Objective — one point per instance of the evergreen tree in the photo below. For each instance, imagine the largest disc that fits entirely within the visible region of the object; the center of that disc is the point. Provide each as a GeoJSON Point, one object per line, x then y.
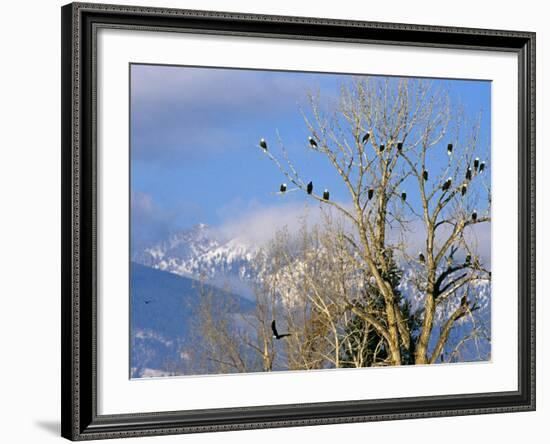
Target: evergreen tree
{"type": "Point", "coordinates": [362, 338]}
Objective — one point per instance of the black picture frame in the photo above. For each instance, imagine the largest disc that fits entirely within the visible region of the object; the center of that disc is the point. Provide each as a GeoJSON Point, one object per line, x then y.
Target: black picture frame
{"type": "Point", "coordinates": [80, 420]}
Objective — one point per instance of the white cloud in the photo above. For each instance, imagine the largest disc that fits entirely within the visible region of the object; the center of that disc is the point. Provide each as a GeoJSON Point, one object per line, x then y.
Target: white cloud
{"type": "Point", "coordinates": [256, 224]}
{"type": "Point", "coordinates": [148, 220]}
{"type": "Point", "coordinates": [204, 88]}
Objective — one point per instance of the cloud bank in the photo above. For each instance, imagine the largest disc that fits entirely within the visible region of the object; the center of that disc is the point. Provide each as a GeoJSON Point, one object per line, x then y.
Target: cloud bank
{"type": "Point", "coordinates": [185, 113]}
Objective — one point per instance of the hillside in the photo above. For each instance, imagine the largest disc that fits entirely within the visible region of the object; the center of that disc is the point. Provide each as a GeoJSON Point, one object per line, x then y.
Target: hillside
{"type": "Point", "coordinates": [161, 309]}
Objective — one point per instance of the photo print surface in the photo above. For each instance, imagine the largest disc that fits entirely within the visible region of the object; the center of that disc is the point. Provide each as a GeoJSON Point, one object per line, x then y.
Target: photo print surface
{"type": "Point", "coordinates": [307, 221]}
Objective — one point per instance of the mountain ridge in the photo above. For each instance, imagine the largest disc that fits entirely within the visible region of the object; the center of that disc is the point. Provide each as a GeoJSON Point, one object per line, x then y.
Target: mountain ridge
{"type": "Point", "coordinates": [199, 252]}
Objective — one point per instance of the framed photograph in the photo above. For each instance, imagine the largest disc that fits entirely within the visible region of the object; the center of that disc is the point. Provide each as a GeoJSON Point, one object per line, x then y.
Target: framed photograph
{"type": "Point", "coordinates": [280, 221]}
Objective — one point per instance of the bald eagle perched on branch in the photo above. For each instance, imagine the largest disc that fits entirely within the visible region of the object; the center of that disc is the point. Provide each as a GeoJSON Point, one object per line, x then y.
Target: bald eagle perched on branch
{"type": "Point", "coordinates": [263, 144]}
{"type": "Point", "coordinates": [425, 174]}
{"type": "Point", "coordinates": [446, 184]}
{"type": "Point", "coordinates": [481, 167]}
{"type": "Point", "coordinates": [450, 149]}
{"type": "Point", "coordinates": [312, 142]}
{"type": "Point", "coordinates": [365, 138]}
{"type": "Point", "coordinates": [399, 146]}
{"type": "Point", "coordinates": [309, 188]}
{"type": "Point", "coordinates": [326, 195]}
{"type": "Point", "coordinates": [421, 257]}
{"type": "Point", "coordinates": [282, 189]}
{"type": "Point", "coordinates": [370, 193]}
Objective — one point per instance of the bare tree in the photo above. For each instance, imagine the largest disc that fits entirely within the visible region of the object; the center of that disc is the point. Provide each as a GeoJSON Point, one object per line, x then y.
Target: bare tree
{"type": "Point", "coordinates": [226, 338]}
{"type": "Point", "coordinates": [230, 340]}
{"type": "Point", "coordinates": [319, 291]}
{"type": "Point", "coordinates": [386, 139]}
{"type": "Point", "coordinates": [408, 158]}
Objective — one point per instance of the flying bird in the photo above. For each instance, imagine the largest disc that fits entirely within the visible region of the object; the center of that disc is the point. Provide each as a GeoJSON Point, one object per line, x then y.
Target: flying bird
{"type": "Point", "coordinates": [421, 257]}
{"type": "Point", "coordinates": [326, 195]}
{"type": "Point", "coordinates": [370, 193]}
{"type": "Point", "coordinates": [446, 184]}
{"type": "Point", "coordinates": [312, 142]}
{"type": "Point", "coordinates": [310, 187]}
{"type": "Point", "coordinates": [469, 174]}
{"type": "Point", "coordinates": [481, 167]}
{"type": "Point", "coordinates": [425, 174]}
{"type": "Point", "coordinates": [276, 334]}
{"type": "Point", "coordinates": [282, 189]}
{"type": "Point", "coordinates": [147, 302]}
{"type": "Point", "coordinates": [464, 189]}
{"type": "Point", "coordinates": [403, 196]}
{"type": "Point", "coordinates": [263, 144]}
{"type": "Point", "coordinates": [450, 149]}
{"type": "Point", "coordinates": [399, 146]}
{"type": "Point", "coordinates": [474, 215]}
{"type": "Point", "coordinates": [365, 138]}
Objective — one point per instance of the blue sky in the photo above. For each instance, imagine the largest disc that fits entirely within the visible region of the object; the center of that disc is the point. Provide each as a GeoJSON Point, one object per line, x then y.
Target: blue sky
{"type": "Point", "coordinates": [194, 142]}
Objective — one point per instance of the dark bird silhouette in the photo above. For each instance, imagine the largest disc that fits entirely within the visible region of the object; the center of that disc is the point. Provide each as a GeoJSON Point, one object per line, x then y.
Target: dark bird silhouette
{"type": "Point", "coordinates": [326, 195]}
{"type": "Point", "coordinates": [464, 189]}
{"type": "Point", "coordinates": [312, 142]}
{"type": "Point", "coordinates": [365, 138]}
{"type": "Point", "coordinates": [450, 149]}
{"type": "Point", "coordinates": [382, 148]}
{"type": "Point", "coordinates": [425, 174]}
{"type": "Point", "coordinates": [421, 257]}
{"type": "Point", "coordinates": [399, 146]}
{"type": "Point", "coordinates": [468, 258]}
{"type": "Point", "coordinates": [474, 215]}
{"type": "Point", "coordinates": [403, 196]}
{"type": "Point", "coordinates": [370, 193]}
{"type": "Point", "coordinates": [263, 144]}
{"type": "Point", "coordinates": [309, 187]}
{"type": "Point", "coordinates": [147, 302]}
{"type": "Point", "coordinates": [476, 163]}
{"type": "Point", "coordinates": [464, 301]}
{"type": "Point", "coordinates": [276, 334]}
{"type": "Point", "coordinates": [481, 167]}
{"type": "Point", "coordinates": [469, 174]}
{"type": "Point", "coordinates": [446, 185]}
{"type": "Point", "coordinates": [283, 188]}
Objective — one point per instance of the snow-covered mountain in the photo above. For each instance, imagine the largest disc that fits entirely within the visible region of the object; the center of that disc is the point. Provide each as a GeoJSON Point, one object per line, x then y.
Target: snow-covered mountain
{"type": "Point", "coordinates": [199, 253]}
